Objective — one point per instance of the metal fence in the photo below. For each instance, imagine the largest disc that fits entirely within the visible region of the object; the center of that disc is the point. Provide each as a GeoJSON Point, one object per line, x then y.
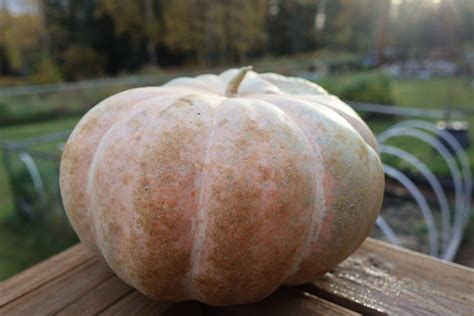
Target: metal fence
{"type": "Point", "coordinates": [444, 239]}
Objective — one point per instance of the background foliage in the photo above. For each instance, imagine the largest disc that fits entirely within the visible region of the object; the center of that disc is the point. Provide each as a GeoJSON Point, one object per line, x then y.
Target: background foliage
{"type": "Point", "coordinates": [51, 40]}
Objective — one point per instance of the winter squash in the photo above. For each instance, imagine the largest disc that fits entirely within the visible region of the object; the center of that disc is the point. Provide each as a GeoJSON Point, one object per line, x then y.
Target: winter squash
{"type": "Point", "coordinates": [221, 188]}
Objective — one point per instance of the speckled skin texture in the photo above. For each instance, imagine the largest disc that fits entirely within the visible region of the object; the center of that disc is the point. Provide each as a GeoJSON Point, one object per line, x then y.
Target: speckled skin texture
{"type": "Point", "coordinates": [189, 194]}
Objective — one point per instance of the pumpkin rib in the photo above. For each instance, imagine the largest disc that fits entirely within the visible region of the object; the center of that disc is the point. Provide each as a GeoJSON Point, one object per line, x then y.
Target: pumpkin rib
{"type": "Point", "coordinates": [335, 245]}
{"type": "Point", "coordinates": [201, 223]}
{"type": "Point", "coordinates": [317, 214]}
{"type": "Point", "coordinates": [135, 108]}
{"type": "Point", "coordinates": [293, 267]}
{"type": "Point", "coordinates": [196, 85]}
{"type": "Point", "coordinates": [249, 244]}
{"type": "Point", "coordinates": [159, 217]}
{"type": "Point", "coordinates": [290, 106]}
{"type": "Point", "coordinates": [348, 114]}
{"type": "Point", "coordinates": [85, 129]}
{"type": "Point", "coordinates": [293, 86]}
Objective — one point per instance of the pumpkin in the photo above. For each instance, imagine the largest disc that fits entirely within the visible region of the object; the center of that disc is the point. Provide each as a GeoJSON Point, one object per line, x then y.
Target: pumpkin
{"type": "Point", "coordinates": [221, 188]}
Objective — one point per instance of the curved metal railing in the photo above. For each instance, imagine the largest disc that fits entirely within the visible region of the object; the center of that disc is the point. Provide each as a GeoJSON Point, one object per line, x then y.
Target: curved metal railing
{"type": "Point", "coordinates": [453, 218]}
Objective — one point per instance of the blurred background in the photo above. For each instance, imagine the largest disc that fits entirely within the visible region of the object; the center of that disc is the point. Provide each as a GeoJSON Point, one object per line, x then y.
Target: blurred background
{"type": "Point", "coordinates": [394, 61]}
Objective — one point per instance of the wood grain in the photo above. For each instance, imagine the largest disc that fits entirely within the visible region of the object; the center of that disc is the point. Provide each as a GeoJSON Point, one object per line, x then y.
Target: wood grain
{"type": "Point", "coordinates": [377, 279]}
{"type": "Point", "coordinates": [62, 291]}
{"type": "Point", "coordinates": [380, 277]}
{"type": "Point", "coordinates": [138, 304]}
{"type": "Point", "coordinates": [43, 272]}
{"type": "Point", "coordinates": [286, 301]}
{"type": "Point", "coordinates": [98, 298]}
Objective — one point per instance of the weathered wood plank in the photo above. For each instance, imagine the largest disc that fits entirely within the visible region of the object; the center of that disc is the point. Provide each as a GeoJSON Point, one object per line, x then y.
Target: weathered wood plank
{"type": "Point", "coordinates": [98, 298]}
{"type": "Point", "coordinates": [286, 301]}
{"type": "Point", "coordinates": [378, 278]}
{"type": "Point", "coordinates": [60, 292]}
{"type": "Point", "coordinates": [43, 273]}
{"type": "Point", "coordinates": [389, 279]}
{"type": "Point", "coordinates": [90, 287]}
{"type": "Point", "coordinates": [136, 303]}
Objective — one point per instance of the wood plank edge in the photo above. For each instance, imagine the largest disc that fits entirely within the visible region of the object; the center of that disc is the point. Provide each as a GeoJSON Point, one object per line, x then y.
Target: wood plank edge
{"type": "Point", "coordinates": [118, 299]}
{"type": "Point", "coordinates": [79, 297]}
{"type": "Point", "coordinates": [51, 289]}
{"type": "Point", "coordinates": [371, 242]}
{"type": "Point", "coordinates": [328, 303]}
{"type": "Point", "coordinates": [12, 298]}
{"type": "Point", "coordinates": [340, 301]}
{"type": "Point", "coordinates": [30, 279]}
{"type": "Point", "coordinates": [56, 259]}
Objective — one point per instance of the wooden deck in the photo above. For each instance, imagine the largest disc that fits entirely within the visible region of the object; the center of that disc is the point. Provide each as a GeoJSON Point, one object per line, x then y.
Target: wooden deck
{"type": "Point", "coordinates": [378, 279]}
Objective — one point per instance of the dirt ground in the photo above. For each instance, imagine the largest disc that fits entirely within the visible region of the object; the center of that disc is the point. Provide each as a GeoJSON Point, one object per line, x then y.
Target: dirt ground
{"type": "Point", "coordinates": [405, 218]}
{"type": "Point", "coordinates": [465, 254]}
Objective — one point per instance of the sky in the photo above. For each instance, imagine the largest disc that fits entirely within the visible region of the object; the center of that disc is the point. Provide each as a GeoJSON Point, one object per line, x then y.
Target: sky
{"type": "Point", "coordinates": [19, 6]}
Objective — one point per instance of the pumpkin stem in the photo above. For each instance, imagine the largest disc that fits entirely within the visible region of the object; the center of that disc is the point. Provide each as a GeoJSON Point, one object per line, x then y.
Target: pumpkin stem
{"type": "Point", "coordinates": [233, 87]}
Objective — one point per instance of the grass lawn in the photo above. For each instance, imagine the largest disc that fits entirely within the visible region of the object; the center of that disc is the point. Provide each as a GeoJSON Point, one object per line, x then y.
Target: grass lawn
{"type": "Point", "coordinates": [431, 94]}
{"type": "Point", "coordinates": [20, 132]}
{"type": "Point", "coordinates": [435, 93]}
{"type": "Point", "coordinates": [23, 243]}
{"type": "Point", "coordinates": [446, 93]}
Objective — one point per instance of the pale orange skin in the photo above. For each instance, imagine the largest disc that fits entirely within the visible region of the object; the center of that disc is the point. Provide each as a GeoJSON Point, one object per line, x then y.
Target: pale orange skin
{"type": "Point", "coordinates": [189, 194]}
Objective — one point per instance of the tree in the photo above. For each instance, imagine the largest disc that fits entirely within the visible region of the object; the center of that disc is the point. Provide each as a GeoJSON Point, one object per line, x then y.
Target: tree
{"type": "Point", "coordinates": [224, 31]}
{"type": "Point", "coordinates": [20, 39]}
{"type": "Point", "coordinates": [351, 25]}
{"type": "Point", "coordinates": [290, 25]}
{"type": "Point", "coordinates": [382, 30]}
{"type": "Point", "coordinates": [137, 20]}
{"type": "Point", "coordinates": [420, 27]}
{"type": "Point", "coordinates": [79, 39]}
